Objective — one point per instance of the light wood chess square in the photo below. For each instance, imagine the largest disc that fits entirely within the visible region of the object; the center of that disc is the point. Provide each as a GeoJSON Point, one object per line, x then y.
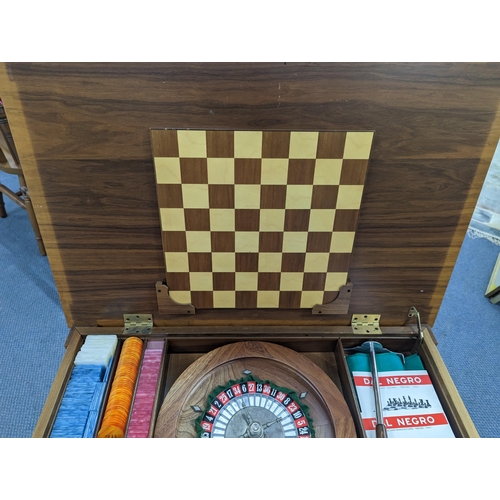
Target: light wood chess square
{"type": "Point", "coordinates": [246, 281]}
{"type": "Point", "coordinates": [246, 196]}
{"type": "Point", "coordinates": [316, 262]}
{"type": "Point", "coordinates": [358, 145]}
{"type": "Point", "coordinates": [223, 262]}
{"type": "Point", "coordinates": [192, 143]}
{"type": "Point", "coordinates": [349, 197]}
{"type": "Point", "coordinates": [274, 171]}
{"type": "Point", "coordinates": [321, 220]}
{"type": "Point", "coordinates": [342, 242]}
{"type": "Point", "coordinates": [298, 196]}
{"type": "Point", "coordinates": [335, 280]}
{"type": "Point", "coordinates": [295, 242]}
{"type": "Point", "coordinates": [172, 219]}
{"type": "Point", "coordinates": [291, 281]}
{"type": "Point", "coordinates": [195, 195]}
{"type": "Point", "coordinates": [268, 298]}
{"type": "Point", "coordinates": [168, 170]}
{"type": "Point", "coordinates": [177, 261]}
{"type": "Point", "coordinates": [224, 299]}
{"type": "Point", "coordinates": [310, 299]}
{"type": "Point", "coordinates": [272, 220]}
{"type": "Point", "coordinates": [270, 262]}
{"type": "Point", "coordinates": [198, 241]}
{"type": "Point", "coordinates": [220, 170]}
{"type": "Point", "coordinates": [247, 241]}
{"type": "Point", "coordinates": [180, 296]}
{"type": "Point", "coordinates": [222, 219]}
{"type": "Point", "coordinates": [303, 144]}
{"type": "Point", "coordinates": [327, 172]}
{"type": "Point", "coordinates": [201, 282]}
{"type": "Point", "coordinates": [248, 144]}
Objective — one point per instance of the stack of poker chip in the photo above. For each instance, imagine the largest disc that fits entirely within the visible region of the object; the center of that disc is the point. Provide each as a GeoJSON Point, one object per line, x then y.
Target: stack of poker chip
{"type": "Point", "coordinates": [116, 415]}
{"type": "Point", "coordinates": [82, 400]}
{"type": "Point", "coordinates": [97, 350]}
{"type": "Point", "coordinates": [96, 404]}
{"type": "Point", "coordinates": [142, 409]}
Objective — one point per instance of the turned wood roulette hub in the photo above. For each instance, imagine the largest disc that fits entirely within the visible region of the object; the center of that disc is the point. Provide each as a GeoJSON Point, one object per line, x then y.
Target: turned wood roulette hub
{"type": "Point", "coordinates": [254, 389]}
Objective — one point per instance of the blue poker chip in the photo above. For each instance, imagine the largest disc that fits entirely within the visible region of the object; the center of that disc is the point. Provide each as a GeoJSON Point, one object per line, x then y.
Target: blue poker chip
{"type": "Point", "coordinates": [84, 395]}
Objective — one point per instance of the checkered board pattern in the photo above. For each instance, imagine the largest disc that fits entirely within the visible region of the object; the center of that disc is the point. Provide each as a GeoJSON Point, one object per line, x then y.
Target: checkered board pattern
{"type": "Point", "coordinates": [258, 219]}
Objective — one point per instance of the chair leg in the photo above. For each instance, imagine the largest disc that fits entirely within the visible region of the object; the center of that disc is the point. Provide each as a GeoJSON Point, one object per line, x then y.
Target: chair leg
{"type": "Point", "coordinates": [3, 213]}
{"type": "Point", "coordinates": [23, 200]}
{"type": "Point", "coordinates": [31, 214]}
{"type": "Point", "coordinates": [34, 224]}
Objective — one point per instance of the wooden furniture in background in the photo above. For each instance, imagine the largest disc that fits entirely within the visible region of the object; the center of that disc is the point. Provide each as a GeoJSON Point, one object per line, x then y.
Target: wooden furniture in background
{"type": "Point", "coordinates": [9, 163]}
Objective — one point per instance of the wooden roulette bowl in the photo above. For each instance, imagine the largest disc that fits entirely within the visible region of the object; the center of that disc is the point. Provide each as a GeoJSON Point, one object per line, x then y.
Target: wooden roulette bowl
{"type": "Point", "coordinates": [281, 368]}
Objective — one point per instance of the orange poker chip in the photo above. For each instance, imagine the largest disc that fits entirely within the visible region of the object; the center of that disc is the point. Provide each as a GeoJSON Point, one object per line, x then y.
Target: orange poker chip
{"type": "Point", "coordinates": [117, 422]}
{"type": "Point", "coordinates": [125, 375]}
{"type": "Point", "coordinates": [117, 414]}
{"type": "Point", "coordinates": [126, 371]}
{"type": "Point", "coordinates": [125, 387]}
{"type": "Point", "coordinates": [117, 405]}
{"type": "Point", "coordinates": [127, 368]}
{"type": "Point", "coordinates": [111, 431]}
{"type": "Point", "coordinates": [133, 346]}
{"type": "Point", "coordinates": [129, 360]}
{"type": "Point", "coordinates": [116, 417]}
{"type": "Point", "coordinates": [132, 350]}
{"type": "Point", "coordinates": [125, 382]}
{"type": "Point", "coordinates": [119, 399]}
{"type": "Point", "coordinates": [127, 365]}
{"type": "Point", "coordinates": [121, 396]}
{"type": "Point", "coordinates": [118, 402]}
{"type": "Point", "coordinates": [122, 390]}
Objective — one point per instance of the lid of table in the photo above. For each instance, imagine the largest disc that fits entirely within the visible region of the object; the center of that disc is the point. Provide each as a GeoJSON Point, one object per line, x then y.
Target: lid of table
{"type": "Point", "coordinates": [83, 136]}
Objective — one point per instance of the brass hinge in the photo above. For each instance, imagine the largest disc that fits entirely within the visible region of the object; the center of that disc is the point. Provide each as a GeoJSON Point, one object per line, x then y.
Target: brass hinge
{"type": "Point", "coordinates": [137, 324]}
{"type": "Point", "coordinates": [366, 324]}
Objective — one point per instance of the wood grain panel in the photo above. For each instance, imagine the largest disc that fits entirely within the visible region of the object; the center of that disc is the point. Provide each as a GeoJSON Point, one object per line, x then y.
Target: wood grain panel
{"type": "Point", "coordinates": [82, 133]}
{"type": "Point", "coordinates": [117, 100]}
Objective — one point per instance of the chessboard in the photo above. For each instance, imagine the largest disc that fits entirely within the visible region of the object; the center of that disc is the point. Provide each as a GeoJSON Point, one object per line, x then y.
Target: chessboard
{"type": "Point", "coordinates": [258, 219]}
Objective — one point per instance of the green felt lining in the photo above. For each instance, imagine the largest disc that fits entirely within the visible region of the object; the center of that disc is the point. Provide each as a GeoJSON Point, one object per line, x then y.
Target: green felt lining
{"type": "Point", "coordinates": [386, 362]}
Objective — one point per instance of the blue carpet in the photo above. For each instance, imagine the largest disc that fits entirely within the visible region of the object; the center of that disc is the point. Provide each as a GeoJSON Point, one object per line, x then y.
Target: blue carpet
{"type": "Point", "coordinates": [467, 329]}
{"type": "Point", "coordinates": [33, 328]}
{"type": "Point", "coordinates": [32, 325]}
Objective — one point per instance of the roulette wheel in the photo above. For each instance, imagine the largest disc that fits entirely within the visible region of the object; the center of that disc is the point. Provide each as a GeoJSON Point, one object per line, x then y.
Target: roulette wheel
{"type": "Point", "coordinates": [254, 390]}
